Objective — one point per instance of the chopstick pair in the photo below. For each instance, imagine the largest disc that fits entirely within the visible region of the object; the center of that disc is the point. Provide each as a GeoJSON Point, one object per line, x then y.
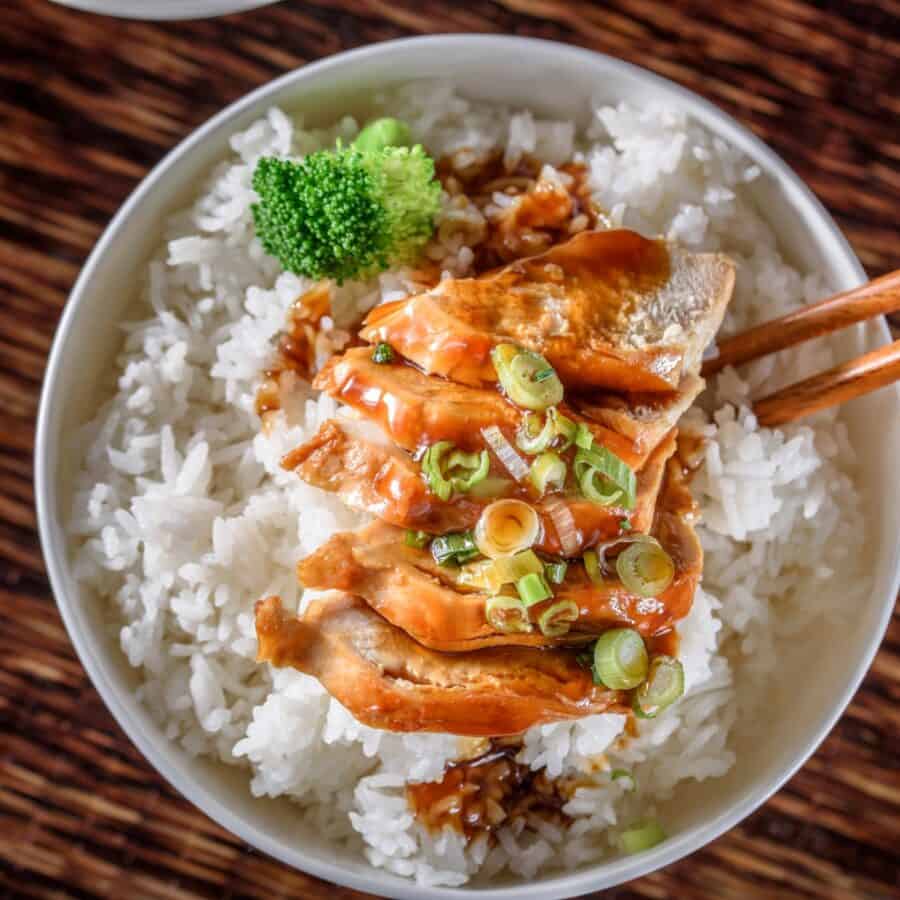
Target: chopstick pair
{"type": "Point", "coordinates": [844, 382]}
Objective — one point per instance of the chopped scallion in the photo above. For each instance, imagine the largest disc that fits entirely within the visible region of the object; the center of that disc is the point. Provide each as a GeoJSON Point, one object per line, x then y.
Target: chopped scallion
{"type": "Point", "coordinates": [663, 686]}
{"type": "Point", "coordinates": [507, 615]}
{"type": "Point", "coordinates": [478, 575]}
{"type": "Point", "coordinates": [382, 353]}
{"type": "Point", "coordinates": [506, 453]}
{"type": "Point", "coordinates": [628, 777]}
{"type": "Point", "coordinates": [620, 659]}
{"type": "Point", "coordinates": [526, 377]}
{"type": "Point", "coordinates": [533, 589]}
{"type": "Point", "coordinates": [604, 478]}
{"type": "Point", "coordinates": [507, 527]}
{"type": "Point", "coordinates": [557, 619]}
{"type": "Point", "coordinates": [454, 548]}
{"type": "Point", "coordinates": [509, 569]}
{"type": "Point", "coordinates": [645, 568]}
{"type": "Point", "coordinates": [565, 430]}
{"type": "Point", "coordinates": [533, 435]}
{"type": "Point", "coordinates": [603, 550]}
{"type": "Point", "coordinates": [592, 567]}
{"type": "Point", "coordinates": [431, 469]}
{"type": "Point", "coordinates": [447, 469]}
{"type": "Point", "coordinates": [548, 472]}
{"type": "Point", "coordinates": [465, 470]}
{"type": "Point", "coordinates": [417, 539]}
{"type": "Point", "coordinates": [555, 572]}
{"type": "Point", "coordinates": [493, 574]}
{"type": "Point", "coordinates": [583, 436]}
{"type": "Point", "coordinates": [642, 837]}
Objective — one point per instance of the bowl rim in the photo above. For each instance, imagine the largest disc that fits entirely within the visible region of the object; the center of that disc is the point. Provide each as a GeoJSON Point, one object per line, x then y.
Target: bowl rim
{"type": "Point", "coordinates": [605, 873]}
{"type": "Point", "coordinates": [164, 10]}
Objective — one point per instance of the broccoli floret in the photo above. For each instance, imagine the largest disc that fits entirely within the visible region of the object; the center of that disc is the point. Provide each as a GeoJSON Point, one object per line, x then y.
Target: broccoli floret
{"type": "Point", "coordinates": [383, 133]}
{"type": "Point", "coordinates": [348, 212]}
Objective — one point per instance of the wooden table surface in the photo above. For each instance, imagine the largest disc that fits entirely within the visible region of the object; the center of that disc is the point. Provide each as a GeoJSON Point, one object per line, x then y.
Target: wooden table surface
{"type": "Point", "coordinates": [88, 104]}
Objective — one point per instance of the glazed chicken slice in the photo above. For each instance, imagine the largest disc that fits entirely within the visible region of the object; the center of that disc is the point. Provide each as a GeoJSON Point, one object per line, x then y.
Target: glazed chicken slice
{"type": "Point", "coordinates": [355, 461]}
{"type": "Point", "coordinates": [387, 680]}
{"type": "Point", "coordinates": [415, 409]}
{"type": "Point", "coordinates": [406, 586]}
{"type": "Point", "coordinates": [608, 309]}
{"type": "Point", "coordinates": [644, 419]}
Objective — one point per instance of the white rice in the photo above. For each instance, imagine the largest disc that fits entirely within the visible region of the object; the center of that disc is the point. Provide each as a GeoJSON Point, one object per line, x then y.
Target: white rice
{"type": "Point", "coordinates": [183, 518]}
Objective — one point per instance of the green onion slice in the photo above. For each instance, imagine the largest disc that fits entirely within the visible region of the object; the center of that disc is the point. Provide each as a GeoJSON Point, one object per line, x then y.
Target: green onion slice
{"type": "Point", "coordinates": [554, 430]}
{"type": "Point", "coordinates": [664, 685]}
{"type": "Point", "coordinates": [493, 574]}
{"type": "Point", "coordinates": [465, 470]}
{"type": "Point", "coordinates": [431, 469]}
{"type": "Point", "coordinates": [548, 472]}
{"type": "Point", "coordinates": [592, 567]}
{"type": "Point", "coordinates": [533, 435]}
{"type": "Point", "coordinates": [507, 527]}
{"type": "Point", "coordinates": [602, 550]}
{"type": "Point", "coordinates": [526, 377]}
{"type": "Point", "coordinates": [507, 615]}
{"type": "Point", "coordinates": [555, 572]}
{"type": "Point", "coordinates": [642, 837]}
{"type": "Point", "coordinates": [509, 569]}
{"type": "Point", "coordinates": [557, 619]}
{"type": "Point", "coordinates": [533, 589]}
{"type": "Point", "coordinates": [447, 469]}
{"type": "Point", "coordinates": [618, 774]}
{"type": "Point", "coordinates": [583, 436]}
{"type": "Point", "coordinates": [604, 478]}
{"type": "Point", "coordinates": [478, 575]}
{"type": "Point", "coordinates": [417, 539]}
{"type": "Point", "coordinates": [645, 568]}
{"type": "Point", "coordinates": [454, 548]}
{"type": "Point", "coordinates": [620, 659]}
{"type": "Point", "coordinates": [383, 353]}
{"type": "Point", "coordinates": [565, 430]}
{"type": "Point", "coordinates": [491, 487]}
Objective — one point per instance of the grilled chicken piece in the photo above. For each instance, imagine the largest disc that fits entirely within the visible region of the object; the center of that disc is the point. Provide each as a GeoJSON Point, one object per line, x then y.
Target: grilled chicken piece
{"type": "Point", "coordinates": [407, 587]}
{"type": "Point", "coordinates": [608, 309]}
{"type": "Point", "coordinates": [644, 419]}
{"type": "Point", "coordinates": [371, 474]}
{"type": "Point", "coordinates": [359, 465]}
{"type": "Point", "coordinates": [389, 681]}
{"type": "Point", "coordinates": [416, 409]}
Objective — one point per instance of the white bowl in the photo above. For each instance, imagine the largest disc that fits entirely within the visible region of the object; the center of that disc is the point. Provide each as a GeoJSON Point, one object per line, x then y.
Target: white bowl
{"type": "Point", "coordinates": [551, 78]}
{"type": "Point", "coordinates": [160, 10]}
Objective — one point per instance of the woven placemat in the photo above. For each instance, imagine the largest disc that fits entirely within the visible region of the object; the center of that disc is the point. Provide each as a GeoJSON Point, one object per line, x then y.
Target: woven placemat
{"type": "Point", "coordinates": [88, 104]}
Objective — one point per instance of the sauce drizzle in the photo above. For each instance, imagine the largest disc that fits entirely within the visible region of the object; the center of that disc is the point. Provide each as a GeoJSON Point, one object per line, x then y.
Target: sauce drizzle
{"type": "Point", "coordinates": [481, 795]}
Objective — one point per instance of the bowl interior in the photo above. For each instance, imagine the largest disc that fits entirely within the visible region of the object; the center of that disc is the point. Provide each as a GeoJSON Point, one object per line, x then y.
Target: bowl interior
{"type": "Point", "coordinates": [552, 80]}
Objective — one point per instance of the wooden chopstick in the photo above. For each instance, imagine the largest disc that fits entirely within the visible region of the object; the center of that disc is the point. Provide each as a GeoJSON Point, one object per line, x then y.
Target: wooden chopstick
{"type": "Point", "coordinates": [875, 298]}
{"type": "Point", "coordinates": [844, 382]}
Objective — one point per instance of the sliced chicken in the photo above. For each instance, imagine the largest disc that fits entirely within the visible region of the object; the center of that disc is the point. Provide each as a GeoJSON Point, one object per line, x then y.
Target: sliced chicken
{"type": "Point", "coordinates": [641, 417]}
{"type": "Point", "coordinates": [608, 309]}
{"type": "Point", "coordinates": [387, 680]}
{"type": "Point", "coordinates": [407, 587]}
{"type": "Point", "coordinates": [416, 409]}
{"type": "Point", "coordinates": [370, 474]}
